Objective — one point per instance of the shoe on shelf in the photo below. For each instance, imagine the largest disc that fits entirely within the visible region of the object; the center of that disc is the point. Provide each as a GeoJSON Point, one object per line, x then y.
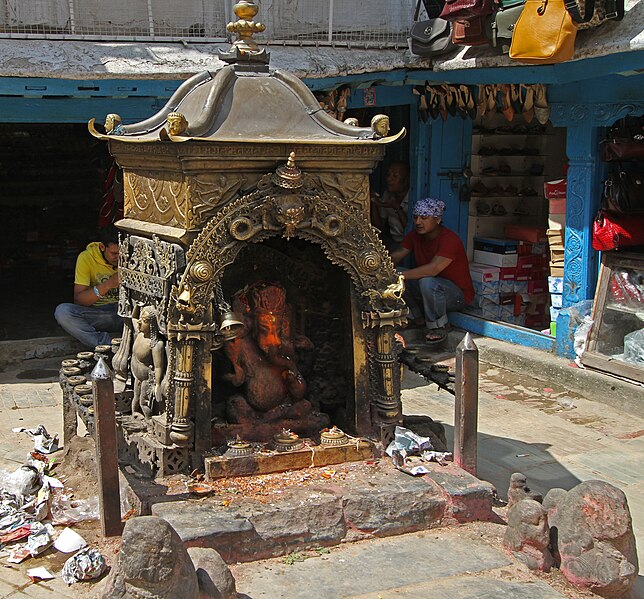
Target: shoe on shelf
{"type": "Point", "coordinates": [489, 170]}
{"type": "Point", "coordinates": [479, 190]}
{"type": "Point", "coordinates": [499, 210]}
{"type": "Point", "coordinates": [483, 208]}
{"type": "Point", "coordinates": [487, 151]}
{"type": "Point", "coordinates": [504, 169]}
{"type": "Point", "coordinates": [536, 169]}
{"type": "Point", "coordinates": [528, 191]}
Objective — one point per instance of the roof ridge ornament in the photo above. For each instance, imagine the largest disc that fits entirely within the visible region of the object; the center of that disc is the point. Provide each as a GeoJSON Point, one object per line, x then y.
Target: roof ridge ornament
{"type": "Point", "coordinates": [244, 49]}
{"type": "Point", "coordinates": [288, 176]}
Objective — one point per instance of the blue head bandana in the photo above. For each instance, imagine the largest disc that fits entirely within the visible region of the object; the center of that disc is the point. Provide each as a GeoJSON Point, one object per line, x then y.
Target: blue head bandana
{"type": "Point", "coordinates": [429, 207]}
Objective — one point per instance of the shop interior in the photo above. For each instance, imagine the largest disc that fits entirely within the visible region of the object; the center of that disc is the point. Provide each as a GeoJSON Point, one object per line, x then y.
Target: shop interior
{"type": "Point", "coordinates": [53, 189]}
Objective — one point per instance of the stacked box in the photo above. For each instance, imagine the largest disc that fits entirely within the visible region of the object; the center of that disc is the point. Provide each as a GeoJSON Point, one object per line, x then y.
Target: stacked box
{"type": "Point", "coordinates": [557, 252]}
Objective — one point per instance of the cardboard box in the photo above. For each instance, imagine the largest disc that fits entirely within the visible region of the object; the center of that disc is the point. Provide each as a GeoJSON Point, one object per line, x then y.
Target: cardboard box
{"type": "Point", "coordinates": [485, 301]}
{"type": "Point", "coordinates": [555, 284]}
{"type": "Point", "coordinates": [486, 287]}
{"type": "Point", "coordinates": [496, 245]}
{"type": "Point", "coordinates": [554, 313]}
{"type": "Point", "coordinates": [506, 286]}
{"type": "Point", "coordinates": [484, 272]}
{"type": "Point", "coordinates": [556, 299]}
{"type": "Point", "coordinates": [538, 286]}
{"type": "Point", "coordinates": [556, 221]}
{"type": "Point", "coordinates": [530, 261]}
{"type": "Point", "coordinates": [557, 206]}
{"type": "Point", "coordinates": [521, 286]}
{"type": "Point", "coordinates": [525, 233]}
{"type": "Point", "coordinates": [494, 259]}
{"type": "Point", "coordinates": [506, 313]}
{"type": "Point", "coordinates": [554, 189]}
{"type": "Point", "coordinates": [556, 270]}
{"type": "Point", "coordinates": [490, 311]}
{"type": "Point", "coordinates": [507, 273]}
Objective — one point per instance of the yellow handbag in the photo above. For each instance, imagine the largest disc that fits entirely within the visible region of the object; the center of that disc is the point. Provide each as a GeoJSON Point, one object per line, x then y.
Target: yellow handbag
{"type": "Point", "coordinates": [544, 34]}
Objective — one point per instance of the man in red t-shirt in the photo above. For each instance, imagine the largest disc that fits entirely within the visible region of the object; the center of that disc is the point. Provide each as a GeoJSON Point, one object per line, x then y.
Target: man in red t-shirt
{"type": "Point", "coordinates": [441, 278]}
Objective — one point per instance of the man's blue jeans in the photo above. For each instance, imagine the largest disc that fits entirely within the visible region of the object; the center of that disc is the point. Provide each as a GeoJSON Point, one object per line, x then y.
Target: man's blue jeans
{"type": "Point", "coordinates": [433, 297]}
{"type": "Point", "coordinates": [91, 325]}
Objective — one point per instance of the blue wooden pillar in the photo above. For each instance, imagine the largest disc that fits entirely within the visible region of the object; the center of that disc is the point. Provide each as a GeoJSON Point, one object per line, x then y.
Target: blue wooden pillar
{"type": "Point", "coordinates": [584, 189]}
{"type": "Point", "coordinates": [419, 145]}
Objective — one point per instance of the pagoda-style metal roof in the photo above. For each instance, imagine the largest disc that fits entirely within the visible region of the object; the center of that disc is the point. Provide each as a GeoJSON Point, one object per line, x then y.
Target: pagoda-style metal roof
{"type": "Point", "coordinates": [242, 104]}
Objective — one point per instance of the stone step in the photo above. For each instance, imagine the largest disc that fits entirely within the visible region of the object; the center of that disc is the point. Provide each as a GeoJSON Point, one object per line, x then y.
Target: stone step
{"type": "Point", "coordinates": [372, 499]}
{"type": "Point", "coordinates": [17, 351]}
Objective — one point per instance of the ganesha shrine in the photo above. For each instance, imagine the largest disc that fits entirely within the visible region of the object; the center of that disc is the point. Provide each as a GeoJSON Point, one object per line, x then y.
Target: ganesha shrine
{"type": "Point", "coordinates": [259, 304]}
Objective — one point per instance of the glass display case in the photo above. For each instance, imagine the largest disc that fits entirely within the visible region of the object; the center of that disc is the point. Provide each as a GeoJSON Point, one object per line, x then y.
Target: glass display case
{"type": "Point", "coordinates": [616, 340]}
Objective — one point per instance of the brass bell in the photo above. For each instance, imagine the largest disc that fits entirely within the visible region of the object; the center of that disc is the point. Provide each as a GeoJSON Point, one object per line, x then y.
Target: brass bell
{"type": "Point", "coordinates": [230, 325]}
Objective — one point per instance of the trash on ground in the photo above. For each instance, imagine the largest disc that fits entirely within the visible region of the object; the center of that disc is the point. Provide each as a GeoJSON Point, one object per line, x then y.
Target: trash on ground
{"type": "Point", "coordinates": [69, 541]}
{"type": "Point", "coordinates": [408, 449]}
{"type": "Point", "coordinates": [22, 532]}
{"type": "Point", "coordinates": [65, 510]}
{"type": "Point", "coordinates": [18, 554]}
{"type": "Point", "coordinates": [566, 403]}
{"type": "Point", "coordinates": [408, 442]}
{"type": "Point", "coordinates": [43, 441]}
{"type": "Point", "coordinates": [442, 457]}
{"type": "Point", "coordinates": [41, 537]}
{"type": "Point", "coordinates": [87, 564]}
{"type": "Point", "coordinates": [25, 481]}
{"type": "Point", "coordinates": [40, 573]}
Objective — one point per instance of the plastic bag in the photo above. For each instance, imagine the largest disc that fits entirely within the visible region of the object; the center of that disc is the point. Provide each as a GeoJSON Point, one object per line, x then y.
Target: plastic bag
{"type": "Point", "coordinates": [65, 510]}
{"type": "Point", "coordinates": [634, 347]}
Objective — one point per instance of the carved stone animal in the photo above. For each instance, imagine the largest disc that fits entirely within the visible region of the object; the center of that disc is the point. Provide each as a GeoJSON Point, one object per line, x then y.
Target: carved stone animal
{"type": "Point", "coordinates": [519, 490]}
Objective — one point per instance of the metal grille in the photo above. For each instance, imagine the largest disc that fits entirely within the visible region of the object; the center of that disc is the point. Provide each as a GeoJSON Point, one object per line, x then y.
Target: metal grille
{"type": "Point", "coordinates": [382, 23]}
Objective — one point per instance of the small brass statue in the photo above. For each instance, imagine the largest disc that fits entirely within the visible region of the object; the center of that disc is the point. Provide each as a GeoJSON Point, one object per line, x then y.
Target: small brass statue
{"type": "Point", "coordinates": [113, 124]}
{"type": "Point", "coordinates": [177, 123]}
{"type": "Point", "coordinates": [380, 126]}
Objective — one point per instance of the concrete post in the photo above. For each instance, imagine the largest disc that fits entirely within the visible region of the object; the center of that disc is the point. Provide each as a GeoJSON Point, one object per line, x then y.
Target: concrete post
{"type": "Point", "coordinates": [466, 407]}
{"type": "Point", "coordinates": [106, 449]}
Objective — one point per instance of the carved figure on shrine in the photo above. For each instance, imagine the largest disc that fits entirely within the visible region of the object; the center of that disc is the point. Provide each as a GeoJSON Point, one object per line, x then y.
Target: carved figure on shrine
{"type": "Point", "coordinates": [148, 363]}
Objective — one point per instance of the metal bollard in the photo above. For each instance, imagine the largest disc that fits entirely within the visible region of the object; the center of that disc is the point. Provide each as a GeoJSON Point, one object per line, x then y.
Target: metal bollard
{"type": "Point", "coordinates": [106, 449]}
{"type": "Point", "coordinates": [467, 404]}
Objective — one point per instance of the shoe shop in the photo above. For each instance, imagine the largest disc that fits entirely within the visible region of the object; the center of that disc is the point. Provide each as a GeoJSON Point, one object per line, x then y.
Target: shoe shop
{"type": "Point", "coordinates": [514, 147]}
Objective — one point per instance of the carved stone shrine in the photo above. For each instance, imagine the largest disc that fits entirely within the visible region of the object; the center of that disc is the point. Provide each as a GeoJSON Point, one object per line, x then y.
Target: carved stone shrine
{"type": "Point", "coordinates": [259, 303]}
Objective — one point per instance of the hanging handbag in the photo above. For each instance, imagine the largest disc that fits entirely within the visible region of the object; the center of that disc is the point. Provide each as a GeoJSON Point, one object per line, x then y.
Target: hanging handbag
{"type": "Point", "coordinates": [500, 25]}
{"type": "Point", "coordinates": [614, 231]}
{"type": "Point", "coordinates": [624, 193]}
{"type": "Point", "coordinates": [546, 30]}
{"type": "Point", "coordinates": [465, 9]}
{"type": "Point", "coordinates": [625, 141]}
{"type": "Point", "coordinates": [604, 10]}
{"type": "Point", "coordinates": [431, 37]}
{"type": "Point", "coordinates": [469, 32]}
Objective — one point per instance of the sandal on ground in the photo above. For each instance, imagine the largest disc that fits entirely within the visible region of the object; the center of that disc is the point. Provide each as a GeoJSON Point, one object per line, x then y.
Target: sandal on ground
{"type": "Point", "coordinates": [436, 336]}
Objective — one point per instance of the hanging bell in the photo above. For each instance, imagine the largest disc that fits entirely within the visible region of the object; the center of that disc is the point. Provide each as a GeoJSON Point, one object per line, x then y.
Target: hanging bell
{"type": "Point", "coordinates": [230, 325]}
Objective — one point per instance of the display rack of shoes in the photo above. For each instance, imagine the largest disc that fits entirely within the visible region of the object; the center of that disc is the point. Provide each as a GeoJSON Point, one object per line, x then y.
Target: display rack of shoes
{"type": "Point", "coordinates": [509, 164]}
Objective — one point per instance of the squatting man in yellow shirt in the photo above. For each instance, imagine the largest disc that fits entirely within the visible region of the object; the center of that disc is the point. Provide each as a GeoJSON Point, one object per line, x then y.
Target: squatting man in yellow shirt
{"type": "Point", "coordinates": [92, 316]}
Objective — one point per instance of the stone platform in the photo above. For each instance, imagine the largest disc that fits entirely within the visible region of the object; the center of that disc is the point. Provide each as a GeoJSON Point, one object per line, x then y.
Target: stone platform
{"type": "Point", "coordinates": [305, 510]}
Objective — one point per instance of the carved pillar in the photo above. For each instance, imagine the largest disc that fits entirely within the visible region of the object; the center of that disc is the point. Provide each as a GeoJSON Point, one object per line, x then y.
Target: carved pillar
{"type": "Point", "coordinates": [181, 431]}
{"type": "Point", "coordinates": [582, 200]}
{"type": "Point", "coordinates": [388, 402]}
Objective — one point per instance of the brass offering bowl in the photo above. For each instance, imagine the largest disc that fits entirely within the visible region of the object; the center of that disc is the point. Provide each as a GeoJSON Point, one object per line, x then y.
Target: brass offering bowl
{"type": "Point", "coordinates": [333, 436]}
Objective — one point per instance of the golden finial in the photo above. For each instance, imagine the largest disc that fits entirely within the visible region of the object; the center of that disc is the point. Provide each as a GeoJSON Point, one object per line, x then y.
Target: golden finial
{"type": "Point", "coordinates": [288, 175]}
{"type": "Point", "coordinates": [245, 46]}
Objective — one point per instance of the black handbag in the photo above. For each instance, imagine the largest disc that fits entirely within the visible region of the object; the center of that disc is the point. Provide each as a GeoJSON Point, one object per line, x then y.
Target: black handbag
{"type": "Point", "coordinates": [431, 37]}
{"type": "Point", "coordinates": [624, 193]}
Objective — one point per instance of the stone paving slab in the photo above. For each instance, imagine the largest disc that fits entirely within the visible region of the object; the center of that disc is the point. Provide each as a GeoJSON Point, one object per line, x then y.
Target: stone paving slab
{"type": "Point", "coordinates": [437, 564]}
{"type": "Point", "coordinates": [388, 503]}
